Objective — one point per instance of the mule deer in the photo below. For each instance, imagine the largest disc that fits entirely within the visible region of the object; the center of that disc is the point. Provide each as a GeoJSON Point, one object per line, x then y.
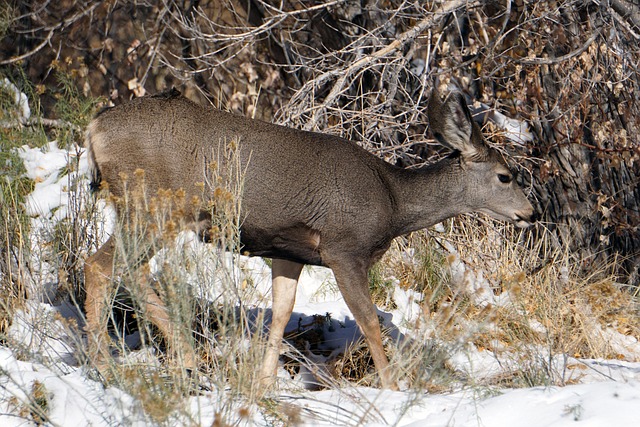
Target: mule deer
{"type": "Point", "coordinates": [308, 198]}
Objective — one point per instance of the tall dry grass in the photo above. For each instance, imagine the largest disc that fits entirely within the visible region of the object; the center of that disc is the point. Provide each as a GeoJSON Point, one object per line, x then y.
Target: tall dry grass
{"type": "Point", "coordinates": [516, 294]}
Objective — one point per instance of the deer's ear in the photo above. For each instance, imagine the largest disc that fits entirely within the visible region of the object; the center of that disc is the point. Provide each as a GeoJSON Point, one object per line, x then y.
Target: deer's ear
{"type": "Point", "coordinates": [452, 126]}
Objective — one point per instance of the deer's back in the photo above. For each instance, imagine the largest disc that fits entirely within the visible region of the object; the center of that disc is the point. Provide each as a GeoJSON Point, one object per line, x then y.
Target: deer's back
{"type": "Point", "coordinates": [301, 189]}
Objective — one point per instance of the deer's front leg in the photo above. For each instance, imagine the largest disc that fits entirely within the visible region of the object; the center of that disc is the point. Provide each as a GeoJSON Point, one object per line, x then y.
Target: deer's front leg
{"type": "Point", "coordinates": [352, 279]}
{"type": "Point", "coordinates": [285, 276]}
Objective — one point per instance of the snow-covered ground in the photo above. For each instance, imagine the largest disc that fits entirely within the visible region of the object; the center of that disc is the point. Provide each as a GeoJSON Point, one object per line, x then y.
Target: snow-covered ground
{"type": "Point", "coordinates": [41, 358]}
{"type": "Point", "coordinates": [76, 400]}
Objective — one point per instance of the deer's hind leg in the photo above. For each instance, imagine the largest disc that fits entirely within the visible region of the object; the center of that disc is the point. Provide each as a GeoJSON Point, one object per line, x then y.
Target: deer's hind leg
{"type": "Point", "coordinates": [157, 312]}
{"type": "Point", "coordinates": [99, 289]}
{"type": "Point", "coordinates": [98, 269]}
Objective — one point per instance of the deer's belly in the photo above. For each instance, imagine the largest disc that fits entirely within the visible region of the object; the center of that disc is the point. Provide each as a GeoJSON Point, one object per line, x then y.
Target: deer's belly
{"type": "Point", "coordinates": [298, 243]}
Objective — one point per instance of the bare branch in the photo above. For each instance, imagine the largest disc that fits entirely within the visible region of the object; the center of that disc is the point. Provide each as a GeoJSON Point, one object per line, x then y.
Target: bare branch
{"type": "Point", "coordinates": [39, 121]}
{"type": "Point", "coordinates": [392, 47]}
{"type": "Point", "coordinates": [33, 51]}
{"type": "Point", "coordinates": [50, 31]}
{"type": "Point", "coordinates": [563, 58]}
{"type": "Point", "coordinates": [627, 10]}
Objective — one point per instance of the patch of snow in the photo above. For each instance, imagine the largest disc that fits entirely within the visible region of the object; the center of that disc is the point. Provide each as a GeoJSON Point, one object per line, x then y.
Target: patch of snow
{"type": "Point", "coordinates": [72, 399]}
{"type": "Point", "coordinates": [19, 98]}
{"type": "Point", "coordinates": [51, 190]}
{"type": "Point", "coordinates": [515, 130]}
{"type": "Point", "coordinates": [408, 303]}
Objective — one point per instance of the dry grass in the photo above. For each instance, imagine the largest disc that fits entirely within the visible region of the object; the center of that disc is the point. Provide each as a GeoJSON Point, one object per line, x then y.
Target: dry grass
{"type": "Point", "coordinates": [35, 407]}
{"type": "Point", "coordinates": [13, 221]}
{"type": "Point", "coordinates": [547, 286]}
{"type": "Point", "coordinates": [514, 293]}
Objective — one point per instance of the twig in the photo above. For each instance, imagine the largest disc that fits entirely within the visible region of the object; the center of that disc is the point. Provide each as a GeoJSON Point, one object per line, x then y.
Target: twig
{"type": "Point", "coordinates": [15, 59]}
{"type": "Point", "coordinates": [51, 30]}
{"type": "Point", "coordinates": [404, 38]}
{"type": "Point", "coordinates": [625, 24]}
{"type": "Point", "coordinates": [559, 59]}
{"type": "Point", "coordinates": [37, 121]}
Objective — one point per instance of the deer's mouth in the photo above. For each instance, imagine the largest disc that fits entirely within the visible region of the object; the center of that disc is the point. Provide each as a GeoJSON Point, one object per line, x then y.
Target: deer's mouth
{"type": "Point", "coordinates": [519, 219]}
{"type": "Point", "coordinates": [523, 221]}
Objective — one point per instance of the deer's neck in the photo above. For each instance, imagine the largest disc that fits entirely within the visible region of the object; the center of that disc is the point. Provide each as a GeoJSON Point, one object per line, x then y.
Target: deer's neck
{"type": "Point", "coordinates": [428, 195]}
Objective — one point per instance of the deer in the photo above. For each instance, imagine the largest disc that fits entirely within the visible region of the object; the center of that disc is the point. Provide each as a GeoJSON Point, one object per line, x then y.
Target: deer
{"type": "Point", "coordinates": [308, 199]}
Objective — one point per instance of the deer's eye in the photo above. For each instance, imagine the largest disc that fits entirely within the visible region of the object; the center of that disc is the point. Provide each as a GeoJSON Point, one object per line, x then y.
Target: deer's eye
{"type": "Point", "coordinates": [504, 178]}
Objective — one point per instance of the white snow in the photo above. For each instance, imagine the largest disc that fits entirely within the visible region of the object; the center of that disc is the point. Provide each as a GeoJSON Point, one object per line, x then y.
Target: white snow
{"type": "Point", "coordinates": [516, 130]}
{"type": "Point", "coordinates": [19, 98]}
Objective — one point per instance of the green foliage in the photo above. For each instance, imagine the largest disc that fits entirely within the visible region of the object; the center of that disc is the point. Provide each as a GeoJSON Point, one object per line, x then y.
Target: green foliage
{"type": "Point", "coordinates": [7, 12]}
{"type": "Point", "coordinates": [380, 286]}
{"type": "Point", "coordinates": [16, 131]}
{"type": "Point", "coordinates": [72, 106]}
{"type": "Point", "coordinates": [432, 275]}
{"type": "Point", "coordinates": [14, 187]}
{"type": "Point", "coordinates": [13, 241]}
{"type": "Point", "coordinates": [13, 133]}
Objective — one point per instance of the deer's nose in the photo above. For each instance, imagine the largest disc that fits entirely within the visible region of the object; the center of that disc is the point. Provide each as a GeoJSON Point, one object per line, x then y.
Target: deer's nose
{"type": "Point", "coordinates": [535, 217]}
